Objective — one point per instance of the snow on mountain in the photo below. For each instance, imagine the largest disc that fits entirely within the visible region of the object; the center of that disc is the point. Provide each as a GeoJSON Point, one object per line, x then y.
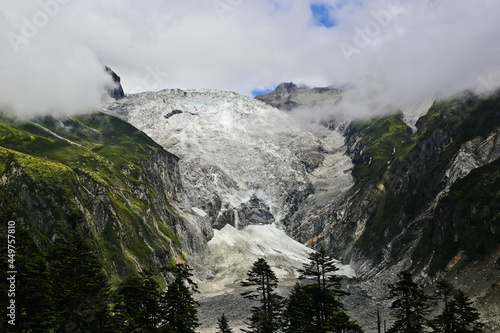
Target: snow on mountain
{"type": "Point", "coordinates": [246, 167]}
{"type": "Point", "coordinates": [233, 148]}
{"type": "Point", "coordinates": [231, 253]}
{"type": "Point", "coordinates": [412, 113]}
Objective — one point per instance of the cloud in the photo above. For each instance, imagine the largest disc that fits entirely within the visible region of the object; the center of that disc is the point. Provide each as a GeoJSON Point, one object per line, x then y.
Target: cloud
{"type": "Point", "coordinates": [419, 49]}
{"type": "Point", "coordinates": [43, 70]}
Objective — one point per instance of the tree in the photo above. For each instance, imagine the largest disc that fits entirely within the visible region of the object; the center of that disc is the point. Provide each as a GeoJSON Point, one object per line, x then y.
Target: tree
{"type": "Point", "coordinates": [137, 303]}
{"type": "Point", "coordinates": [340, 322]}
{"type": "Point", "coordinates": [33, 293]}
{"type": "Point", "coordinates": [298, 311]}
{"type": "Point", "coordinates": [324, 311]}
{"type": "Point", "coordinates": [81, 291]}
{"type": "Point", "coordinates": [223, 324]}
{"type": "Point", "coordinates": [34, 289]}
{"type": "Point", "coordinates": [458, 315]}
{"type": "Point", "coordinates": [410, 305]}
{"type": "Point", "coordinates": [178, 303]}
{"type": "Point", "coordinates": [266, 317]}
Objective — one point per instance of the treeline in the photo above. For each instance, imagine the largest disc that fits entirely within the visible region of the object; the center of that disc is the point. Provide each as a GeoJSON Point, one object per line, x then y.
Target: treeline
{"type": "Point", "coordinates": [67, 290]}
{"type": "Point", "coordinates": [313, 306]}
{"type": "Point", "coordinates": [412, 306]}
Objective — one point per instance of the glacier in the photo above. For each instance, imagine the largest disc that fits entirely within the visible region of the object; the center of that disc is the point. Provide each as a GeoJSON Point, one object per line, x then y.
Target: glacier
{"type": "Point", "coordinates": [248, 171]}
{"type": "Point", "coordinates": [233, 148]}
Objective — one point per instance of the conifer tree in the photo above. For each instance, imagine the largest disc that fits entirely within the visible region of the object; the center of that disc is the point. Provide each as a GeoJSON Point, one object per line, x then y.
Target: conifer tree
{"type": "Point", "coordinates": [178, 303]}
{"type": "Point", "coordinates": [81, 290]}
{"type": "Point", "coordinates": [340, 322]}
{"type": "Point", "coordinates": [34, 289]}
{"type": "Point", "coordinates": [298, 311]}
{"type": "Point", "coordinates": [266, 317]}
{"type": "Point", "coordinates": [410, 305]}
{"type": "Point", "coordinates": [324, 310]}
{"type": "Point", "coordinates": [137, 303]}
{"type": "Point", "coordinates": [223, 324]}
{"type": "Point", "coordinates": [458, 315]}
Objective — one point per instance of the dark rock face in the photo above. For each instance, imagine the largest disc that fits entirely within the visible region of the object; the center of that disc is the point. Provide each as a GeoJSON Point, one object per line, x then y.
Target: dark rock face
{"type": "Point", "coordinates": [312, 103]}
{"type": "Point", "coordinates": [280, 97]}
{"type": "Point", "coordinates": [116, 91]}
{"type": "Point", "coordinates": [173, 113]}
{"type": "Point", "coordinates": [252, 212]}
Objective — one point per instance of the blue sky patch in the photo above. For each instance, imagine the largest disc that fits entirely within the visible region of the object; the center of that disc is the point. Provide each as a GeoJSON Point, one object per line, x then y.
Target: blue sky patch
{"type": "Point", "coordinates": [322, 15]}
{"type": "Point", "coordinates": [257, 92]}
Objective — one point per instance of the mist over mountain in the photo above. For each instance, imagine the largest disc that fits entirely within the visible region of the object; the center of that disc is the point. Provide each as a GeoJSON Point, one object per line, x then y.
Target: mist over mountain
{"type": "Point", "coordinates": [130, 125]}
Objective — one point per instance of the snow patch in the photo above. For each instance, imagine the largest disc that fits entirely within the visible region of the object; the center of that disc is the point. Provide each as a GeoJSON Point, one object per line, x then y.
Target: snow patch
{"type": "Point", "coordinates": [413, 113]}
{"type": "Point", "coordinates": [199, 211]}
{"type": "Point", "coordinates": [231, 253]}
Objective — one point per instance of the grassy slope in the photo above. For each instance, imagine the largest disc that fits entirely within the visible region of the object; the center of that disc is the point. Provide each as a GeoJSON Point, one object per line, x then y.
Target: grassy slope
{"type": "Point", "coordinates": [106, 159]}
{"type": "Point", "coordinates": [388, 145]}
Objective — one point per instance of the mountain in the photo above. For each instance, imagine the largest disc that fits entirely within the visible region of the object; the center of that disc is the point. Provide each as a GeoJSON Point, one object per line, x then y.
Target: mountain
{"type": "Point", "coordinates": [241, 160]}
{"type": "Point", "coordinates": [123, 185]}
{"type": "Point", "coordinates": [411, 190]}
{"type": "Point", "coordinates": [218, 179]}
{"type": "Point", "coordinates": [288, 96]}
{"type": "Point", "coordinates": [425, 198]}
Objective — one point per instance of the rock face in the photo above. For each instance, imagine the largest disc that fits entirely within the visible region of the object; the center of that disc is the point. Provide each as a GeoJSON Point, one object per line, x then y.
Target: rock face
{"type": "Point", "coordinates": [409, 190]}
{"type": "Point", "coordinates": [125, 187]}
{"type": "Point", "coordinates": [242, 162]}
{"type": "Point", "coordinates": [116, 91]}
{"type": "Point", "coordinates": [287, 96]}
{"type": "Point", "coordinates": [425, 198]}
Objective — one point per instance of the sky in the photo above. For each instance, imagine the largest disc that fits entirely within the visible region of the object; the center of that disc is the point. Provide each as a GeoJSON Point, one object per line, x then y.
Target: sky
{"type": "Point", "coordinates": [387, 54]}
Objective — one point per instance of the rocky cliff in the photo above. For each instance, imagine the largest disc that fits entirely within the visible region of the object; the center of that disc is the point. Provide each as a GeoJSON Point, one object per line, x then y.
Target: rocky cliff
{"type": "Point", "coordinates": [125, 186]}
{"type": "Point", "coordinates": [417, 189]}
{"type": "Point", "coordinates": [425, 198]}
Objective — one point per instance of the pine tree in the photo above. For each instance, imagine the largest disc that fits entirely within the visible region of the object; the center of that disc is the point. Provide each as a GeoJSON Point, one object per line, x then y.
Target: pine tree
{"type": "Point", "coordinates": [178, 303]}
{"type": "Point", "coordinates": [340, 322]}
{"type": "Point", "coordinates": [445, 292]}
{"type": "Point", "coordinates": [325, 311]}
{"type": "Point", "coordinates": [34, 288]}
{"type": "Point", "coordinates": [458, 316]}
{"type": "Point", "coordinates": [266, 317]}
{"type": "Point", "coordinates": [410, 305]}
{"type": "Point", "coordinates": [223, 324]}
{"type": "Point", "coordinates": [137, 303]}
{"type": "Point", "coordinates": [298, 311]}
{"type": "Point", "coordinates": [81, 290]}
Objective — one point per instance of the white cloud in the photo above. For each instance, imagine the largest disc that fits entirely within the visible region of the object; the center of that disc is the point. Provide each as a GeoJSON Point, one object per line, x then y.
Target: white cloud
{"type": "Point", "coordinates": [417, 51]}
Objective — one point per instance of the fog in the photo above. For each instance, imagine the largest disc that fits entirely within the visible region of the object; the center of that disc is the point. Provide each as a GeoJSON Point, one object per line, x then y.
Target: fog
{"type": "Point", "coordinates": [389, 53]}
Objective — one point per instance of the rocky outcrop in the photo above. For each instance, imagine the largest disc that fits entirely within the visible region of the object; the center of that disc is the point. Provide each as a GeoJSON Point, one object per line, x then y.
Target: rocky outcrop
{"type": "Point", "coordinates": [242, 162]}
{"type": "Point", "coordinates": [288, 97]}
{"type": "Point", "coordinates": [425, 199]}
{"type": "Point", "coordinates": [124, 186]}
{"type": "Point", "coordinates": [116, 91]}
